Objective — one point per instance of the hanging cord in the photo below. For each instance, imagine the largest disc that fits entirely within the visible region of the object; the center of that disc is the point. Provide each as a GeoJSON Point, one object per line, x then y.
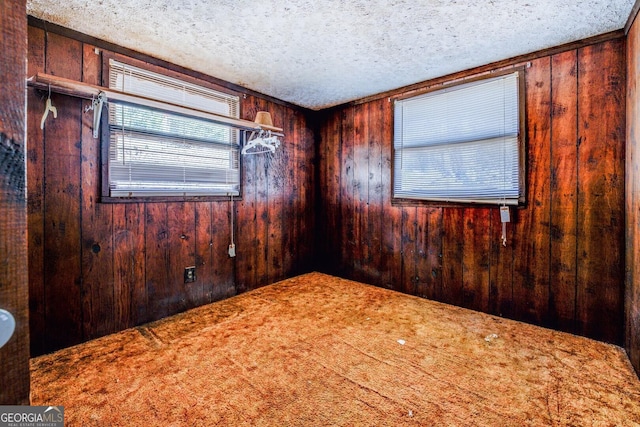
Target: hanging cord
{"type": "Point", "coordinates": [232, 246]}
{"type": "Point", "coordinates": [504, 210]}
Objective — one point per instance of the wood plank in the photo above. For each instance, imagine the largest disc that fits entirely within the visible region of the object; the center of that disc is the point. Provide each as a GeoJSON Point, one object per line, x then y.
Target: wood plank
{"type": "Point", "coordinates": [14, 291]}
{"type": "Point", "coordinates": [391, 256]}
{"type": "Point", "coordinates": [262, 214]}
{"type": "Point", "coordinates": [452, 255]}
{"type": "Point", "coordinates": [158, 261]}
{"type": "Point", "coordinates": [289, 173]}
{"type": "Point", "coordinates": [246, 218]}
{"type": "Point", "coordinates": [632, 209]}
{"type": "Point", "coordinates": [203, 257]}
{"type": "Point", "coordinates": [431, 270]}
{"type": "Point", "coordinates": [306, 191]}
{"type": "Point", "coordinates": [35, 201]}
{"type": "Point", "coordinates": [330, 185]}
{"type": "Point", "coordinates": [422, 268]}
{"type": "Point", "coordinates": [224, 284]}
{"type": "Point", "coordinates": [277, 166]}
{"type": "Point", "coordinates": [531, 230]}
{"type": "Point", "coordinates": [182, 247]}
{"type": "Point", "coordinates": [409, 249]}
{"type": "Point", "coordinates": [374, 201]}
{"type": "Point", "coordinates": [564, 189]}
{"type": "Point", "coordinates": [475, 259]}
{"type": "Point", "coordinates": [98, 314]}
{"type": "Point", "coordinates": [360, 191]}
{"type": "Point", "coordinates": [129, 265]}
{"type": "Point", "coordinates": [324, 212]}
{"type": "Point", "coordinates": [601, 97]}
{"type": "Point", "coordinates": [346, 192]}
{"type": "Point", "coordinates": [62, 246]}
{"type": "Point", "coordinates": [501, 265]}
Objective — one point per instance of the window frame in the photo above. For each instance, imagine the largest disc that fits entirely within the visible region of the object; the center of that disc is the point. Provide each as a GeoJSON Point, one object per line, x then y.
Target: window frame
{"type": "Point", "coordinates": [105, 133]}
{"type": "Point", "coordinates": [522, 139]}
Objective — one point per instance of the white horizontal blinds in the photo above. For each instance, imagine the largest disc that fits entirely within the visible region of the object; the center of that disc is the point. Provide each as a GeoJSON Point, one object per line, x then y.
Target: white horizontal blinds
{"type": "Point", "coordinates": [460, 144]}
{"type": "Point", "coordinates": [154, 152]}
{"type": "Point", "coordinates": [136, 81]}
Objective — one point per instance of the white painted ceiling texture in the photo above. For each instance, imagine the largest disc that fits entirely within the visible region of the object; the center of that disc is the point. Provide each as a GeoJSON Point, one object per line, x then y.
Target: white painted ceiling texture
{"type": "Point", "coordinates": [320, 53]}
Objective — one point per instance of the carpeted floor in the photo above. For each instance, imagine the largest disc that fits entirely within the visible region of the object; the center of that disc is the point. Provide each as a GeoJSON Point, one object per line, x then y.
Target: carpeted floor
{"type": "Point", "coordinates": [321, 351]}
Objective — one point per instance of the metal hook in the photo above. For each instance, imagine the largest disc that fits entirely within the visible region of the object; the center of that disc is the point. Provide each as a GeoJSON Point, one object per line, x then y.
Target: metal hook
{"type": "Point", "coordinates": [48, 107]}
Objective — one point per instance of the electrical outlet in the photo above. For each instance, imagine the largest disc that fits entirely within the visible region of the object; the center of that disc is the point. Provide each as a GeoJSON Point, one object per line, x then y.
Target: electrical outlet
{"type": "Point", "coordinates": [190, 274]}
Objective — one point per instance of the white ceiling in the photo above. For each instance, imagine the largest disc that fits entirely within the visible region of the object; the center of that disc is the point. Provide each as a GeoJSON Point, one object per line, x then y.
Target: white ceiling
{"type": "Point", "coordinates": [320, 53]}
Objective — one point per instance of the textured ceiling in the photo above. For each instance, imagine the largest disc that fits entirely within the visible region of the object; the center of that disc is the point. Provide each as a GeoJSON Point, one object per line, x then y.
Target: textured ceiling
{"type": "Point", "coordinates": [319, 53]}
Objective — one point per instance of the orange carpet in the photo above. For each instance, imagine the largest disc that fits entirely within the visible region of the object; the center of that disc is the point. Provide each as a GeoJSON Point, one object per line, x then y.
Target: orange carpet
{"type": "Point", "coordinates": [316, 350]}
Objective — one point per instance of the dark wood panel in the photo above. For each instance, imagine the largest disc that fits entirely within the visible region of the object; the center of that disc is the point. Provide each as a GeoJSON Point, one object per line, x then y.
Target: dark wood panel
{"type": "Point", "coordinates": [329, 185]}
{"type": "Point", "coordinates": [35, 190]}
{"type": "Point", "coordinates": [632, 209]}
{"type": "Point", "coordinates": [360, 191]}
{"type": "Point", "coordinates": [391, 256]}
{"type": "Point", "coordinates": [62, 222]}
{"type": "Point", "coordinates": [203, 256]}
{"type": "Point", "coordinates": [14, 291]}
{"type": "Point", "coordinates": [181, 219]}
{"type": "Point", "coordinates": [501, 262]}
{"type": "Point", "coordinates": [421, 286]}
{"type": "Point", "coordinates": [534, 277]}
{"type": "Point", "coordinates": [531, 229]}
{"type": "Point", "coordinates": [347, 205]}
{"type": "Point", "coordinates": [601, 98]}
{"type": "Point", "coordinates": [564, 189]}
{"type": "Point", "coordinates": [306, 163]}
{"type": "Point", "coordinates": [453, 242]}
{"type": "Point", "coordinates": [223, 283]}
{"type": "Point", "coordinates": [290, 199]}
{"type": "Point", "coordinates": [261, 237]}
{"type": "Point", "coordinates": [247, 218]}
{"type": "Point", "coordinates": [96, 221]}
{"type": "Point", "coordinates": [374, 200]}
{"type": "Point", "coordinates": [409, 249]}
{"type": "Point", "coordinates": [475, 259]}
{"type": "Point", "coordinates": [130, 258]}
{"type": "Point", "coordinates": [431, 274]}
{"type": "Point", "coordinates": [454, 253]}
{"type": "Point", "coordinates": [157, 260]}
{"type": "Point", "coordinates": [129, 282]}
{"type": "Point", "coordinates": [275, 170]}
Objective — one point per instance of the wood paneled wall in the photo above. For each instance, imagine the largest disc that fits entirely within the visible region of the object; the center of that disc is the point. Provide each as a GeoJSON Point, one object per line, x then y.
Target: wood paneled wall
{"type": "Point", "coordinates": [632, 298]}
{"type": "Point", "coordinates": [97, 268]}
{"type": "Point", "coordinates": [14, 289]}
{"type": "Point", "coordinates": [564, 262]}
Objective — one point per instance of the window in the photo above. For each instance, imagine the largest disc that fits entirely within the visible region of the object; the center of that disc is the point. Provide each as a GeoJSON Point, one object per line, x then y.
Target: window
{"type": "Point", "coordinates": [461, 144]}
{"type": "Point", "coordinates": [153, 152]}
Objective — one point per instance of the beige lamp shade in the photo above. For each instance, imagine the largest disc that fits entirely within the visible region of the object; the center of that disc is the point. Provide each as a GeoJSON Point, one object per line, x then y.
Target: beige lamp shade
{"type": "Point", "coordinates": [263, 118]}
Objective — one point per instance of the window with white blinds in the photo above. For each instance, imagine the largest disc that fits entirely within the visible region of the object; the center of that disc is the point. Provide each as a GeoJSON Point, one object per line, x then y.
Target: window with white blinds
{"type": "Point", "coordinates": [460, 144]}
{"type": "Point", "coordinates": [153, 152]}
